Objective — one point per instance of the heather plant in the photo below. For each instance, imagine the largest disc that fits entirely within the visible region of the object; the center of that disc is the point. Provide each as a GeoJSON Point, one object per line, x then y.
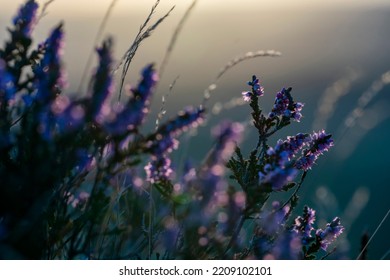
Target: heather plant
{"type": "Point", "coordinates": [81, 180]}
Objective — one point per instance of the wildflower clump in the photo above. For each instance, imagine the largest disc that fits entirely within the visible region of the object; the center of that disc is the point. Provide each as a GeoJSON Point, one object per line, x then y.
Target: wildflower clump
{"type": "Point", "coordinates": [81, 179]}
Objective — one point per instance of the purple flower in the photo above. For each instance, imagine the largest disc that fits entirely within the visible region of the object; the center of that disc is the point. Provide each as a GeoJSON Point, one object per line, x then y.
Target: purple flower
{"type": "Point", "coordinates": [209, 190]}
{"type": "Point", "coordinates": [286, 107]}
{"type": "Point", "coordinates": [70, 117]}
{"type": "Point", "coordinates": [210, 175]}
{"type": "Point", "coordinates": [319, 143]}
{"type": "Point", "coordinates": [305, 162]}
{"type": "Point", "coordinates": [134, 112]}
{"type": "Point", "coordinates": [164, 139]}
{"type": "Point", "coordinates": [25, 20]}
{"type": "Point", "coordinates": [279, 169]}
{"type": "Point", "coordinates": [292, 145]}
{"type": "Point", "coordinates": [257, 90]}
{"type": "Point", "coordinates": [160, 144]}
{"type": "Point", "coordinates": [304, 225]}
{"type": "Point", "coordinates": [49, 76]}
{"type": "Point", "coordinates": [7, 85]}
{"type": "Point", "coordinates": [330, 233]}
{"type": "Point", "coordinates": [227, 135]}
{"type": "Point", "coordinates": [158, 169]}
{"type": "Point", "coordinates": [103, 80]}
{"type": "Point", "coordinates": [272, 221]}
{"type": "Point", "coordinates": [278, 177]}
{"type": "Point", "coordinates": [78, 201]}
{"type": "Point", "coordinates": [287, 246]}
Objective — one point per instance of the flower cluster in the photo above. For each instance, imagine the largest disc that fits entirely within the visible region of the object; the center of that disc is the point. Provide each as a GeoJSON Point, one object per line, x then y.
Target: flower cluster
{"type": "Point", "coordinates": [304, 225]}
{"type": "Point", "coordinates": [129, 117]}
{"type": "Point", "coordinates": [257, 89]}
{"type": "Point", "coordinates": [103, 80]}
{"type": "Point", "coordinates": [319, 143]}
{"type": "Point", "coordinates": [25, 20]}
{"type": "Point", "coordinates": [281, 166]}
{"type": "Point", "coordinates": [161, 144]}
{"type": "Point", "coordinates": [285, 106]}
{"type": "Point", "coordinates": [330, 233]}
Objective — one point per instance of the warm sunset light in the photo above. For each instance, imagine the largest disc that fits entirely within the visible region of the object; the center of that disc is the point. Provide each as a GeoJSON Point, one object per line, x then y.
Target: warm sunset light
{"type": "Point", "coordinates": [194, 130]}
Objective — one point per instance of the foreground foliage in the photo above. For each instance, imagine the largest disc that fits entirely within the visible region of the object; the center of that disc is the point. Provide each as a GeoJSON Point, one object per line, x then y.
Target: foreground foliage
{"type": "Point", "coordinates": [80, 180]}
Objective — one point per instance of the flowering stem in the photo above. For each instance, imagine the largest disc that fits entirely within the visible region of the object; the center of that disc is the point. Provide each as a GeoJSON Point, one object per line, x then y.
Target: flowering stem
{"type": "Point", "coordinates": [150, 241]}
{"type": "Point", "coordinates": [328, 254]}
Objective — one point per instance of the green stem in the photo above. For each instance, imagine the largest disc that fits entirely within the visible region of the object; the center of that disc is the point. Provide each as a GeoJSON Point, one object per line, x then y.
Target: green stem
{"type": "Point", "coordinates": [296, 190]}
{"type": "Point", "coordinates": [235, 234]}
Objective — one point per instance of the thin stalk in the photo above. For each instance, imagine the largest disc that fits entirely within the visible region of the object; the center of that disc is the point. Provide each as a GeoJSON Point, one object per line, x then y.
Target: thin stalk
{"type": "Point", "coordinates": [96, 41]}
{"type": "Point", "coordinates": [175, 36]}
{"type": "Point", "coordinates": [376, 230]}
{"type": "Point", "coordinates": [296, 190]}
{"type": "Point", "coordinates": [235, 234]}
{"type": "Point", "coordinates": [150, 237]}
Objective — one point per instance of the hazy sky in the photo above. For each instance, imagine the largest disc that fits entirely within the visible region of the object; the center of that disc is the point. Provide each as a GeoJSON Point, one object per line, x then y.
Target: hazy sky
{"type": "Point", "coordinates": [89, 6]}
{"type": "Point", "coordinates": [324, 43]}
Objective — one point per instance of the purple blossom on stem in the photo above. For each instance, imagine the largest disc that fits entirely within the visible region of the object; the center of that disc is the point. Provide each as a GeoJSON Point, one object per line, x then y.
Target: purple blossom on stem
{"type": "Point", "coordinates": [48, 81]}
{"type": "Point", "coordinates": [49, 76]}
{"type": "Point", "coordinates": [79, 200]}
{"type": "Point", "coordinates": [69, 118]}
{"type": "Point", "coordinates": [164, 141]}
{"type": "Point", "coordinates": [272, 221]}
{"type": "Point", "coordinates": [103, 80]}
{"type": "Point", "coordinates": [330, 233]}
{"type": "Point", "coordinates": [287, 246]}
{"type": "Point", "coordinates": [292, 145]}
{"type": "Point", "coordinates": [304, 225]}
{"type": "Point", "coordinates": [278, 177]}
{"type": "Point", "coordinates": [208, 187]}
{"type": "Point", "coordinates": [279, 169]}
{"type": "Point", "coordinates": [158, 169]}
{"type": "Point", "coordinates": [286, 107]}
{"type": "Point", "coordinates": [210, 178]}
{"type": "Point", "coordinates": [134, 112]}
{"type": "Point", "coordinates": [257, 89]}
{"type": "Point", "coordinates": [319, 143]}
{"type": "Point", "coordinates": [25, 20]}
{"type": "Point", "coordinates": [227, 135]}
{"type": "Point", "coordinates": [305, 162]}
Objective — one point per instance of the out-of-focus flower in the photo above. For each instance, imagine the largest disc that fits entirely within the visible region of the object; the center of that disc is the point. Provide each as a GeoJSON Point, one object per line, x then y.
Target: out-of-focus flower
{"type": "Point", "coordinates": [7, 85]}
{"type": "Point", "coordinates": [25, 20]}
{"type": "Point", "coordinates": [158, 169]}
{"type": "Point", "coordinates": [49, 73]}
{"type": "Point", "coordinates": [228, 135]}
{"type": "Point", "coordinates": [78, 201]}
{"type": "Point", "coordinates": [103, 80]}
{"type": "Point", "coordinates": [134, 112]}
{"type": "Point", "coordinates": [164, 141]}
{"type": "Point", "coordinates": [287, 246]}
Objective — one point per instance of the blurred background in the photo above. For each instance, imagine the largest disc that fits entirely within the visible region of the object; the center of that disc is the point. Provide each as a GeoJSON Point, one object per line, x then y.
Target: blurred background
{"type": "Point", "coordinates": [335, 56]}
